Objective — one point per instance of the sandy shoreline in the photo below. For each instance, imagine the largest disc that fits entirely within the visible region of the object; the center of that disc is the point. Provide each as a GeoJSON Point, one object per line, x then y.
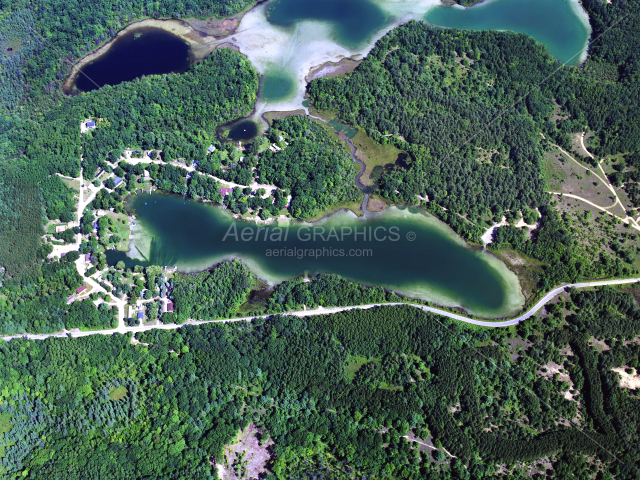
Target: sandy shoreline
{"type": "Point", "coordinates": [333, 69]}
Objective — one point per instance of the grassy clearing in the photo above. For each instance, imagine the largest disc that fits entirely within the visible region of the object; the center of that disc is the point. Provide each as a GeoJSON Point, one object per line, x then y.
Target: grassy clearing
{"type": "Point", "coordinates": [563, 175]}
{"type": "Point", "coordinates": [527, 270]}
{"type": "Point", "coordinates": [377, 203]}
{"type": "Point", "coordinates": [355, 364]}
{"type": "Point", "coordinates": [372, 154]}
{"type": "Point", "coordinates": [118, 393]}
{"type": "Point", "coordinates": [271, 116]}
{"type": "Point", "coordinates": [5, 422]}
{"type": "Point", "coordinates": [73, 184]}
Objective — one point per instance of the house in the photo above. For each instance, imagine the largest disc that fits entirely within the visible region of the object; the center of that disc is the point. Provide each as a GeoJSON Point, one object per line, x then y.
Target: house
{"type": "Point", "coordinates": [80, 289]}
{"type": "Point", "coordinates": [99, 172]}
{"type": "Point", "coordinates": [140, 315]}
{"type": "Point", "coordinates": [71, 299]}
{"type": "Point", "coordinates": [117, 181]}
{"type": "Point", "coordinates": [60, 228]}
{"type": "Point", "coordinates": [91, 124]}
{"type": "Point", "coordinates": [224, 191]}
{"type": "Point", "coordinates": [87, 257]}
{"type": "Point", "coordinates": [150, 154]}
{"type": "Point", "coordinates": [169, 306]}
{"type": "Point", "coordinates": [211, 149]}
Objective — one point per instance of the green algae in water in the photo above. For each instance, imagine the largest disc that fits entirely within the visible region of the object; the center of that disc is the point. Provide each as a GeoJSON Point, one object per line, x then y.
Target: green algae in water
{"type": "Point", "coordinates": [353, 21]}
{"type": "Point", "coordinates": [337, 126]}
{"type": "Point", "coordinates": [555, 23]}
{"type": "Point", "coordinates": [277, 85]}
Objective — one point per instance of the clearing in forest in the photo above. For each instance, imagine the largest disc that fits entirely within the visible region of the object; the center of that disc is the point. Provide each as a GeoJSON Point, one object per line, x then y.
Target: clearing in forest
{"type": "Point", "coordinates": [247, 457]}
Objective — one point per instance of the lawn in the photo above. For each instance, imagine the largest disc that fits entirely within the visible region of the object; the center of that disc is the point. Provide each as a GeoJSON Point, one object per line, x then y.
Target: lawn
{"type": "Point", "coordinates": [121, 228]}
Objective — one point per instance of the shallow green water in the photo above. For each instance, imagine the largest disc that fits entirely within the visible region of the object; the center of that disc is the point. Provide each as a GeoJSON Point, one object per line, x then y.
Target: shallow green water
{"type": "Point", "coordinates": [555, 23]}
{"type": "Point", "coordinates": [353, 21]}
{"type": "Point", "coordinates": [277, 85]}
{"type": "Point", "coordinates": [403, 250]}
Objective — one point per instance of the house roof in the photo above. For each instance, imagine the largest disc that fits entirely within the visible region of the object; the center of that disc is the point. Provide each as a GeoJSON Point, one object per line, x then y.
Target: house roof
{"type": "Point", "coordinates": [81, 289]}
{"type": "Point", "coordinates": [140, 315]}
{"type": "Point", "coordinates": [117, 181]}
{"type": "Point", "coordinates": [169, 306]}
{"type": "Point", "coordinates": [225, 190]}
{"type": "Point", "coordinates": [91, 124]}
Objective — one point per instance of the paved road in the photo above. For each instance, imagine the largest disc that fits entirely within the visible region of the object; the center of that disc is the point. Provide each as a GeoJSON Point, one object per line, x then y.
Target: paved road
{"type": "Point", "coordinates": [324, 311]}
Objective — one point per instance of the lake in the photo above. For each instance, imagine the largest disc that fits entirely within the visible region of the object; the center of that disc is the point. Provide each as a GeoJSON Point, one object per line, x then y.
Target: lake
{"type": "Point", "coordinates": [353, 21]}
{"type": "Point", "coordinates": [401, 249]}
{"type": "Point", "coordinates": [241, 131]}
{"type": "Point", "coordinates": [134, 54]}
{"type": "Point", "coordinates": [561, 25]}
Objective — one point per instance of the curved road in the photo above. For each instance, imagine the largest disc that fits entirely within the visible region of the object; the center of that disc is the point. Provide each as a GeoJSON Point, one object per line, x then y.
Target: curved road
{"type": "Point", "coordinates": [324, 311]}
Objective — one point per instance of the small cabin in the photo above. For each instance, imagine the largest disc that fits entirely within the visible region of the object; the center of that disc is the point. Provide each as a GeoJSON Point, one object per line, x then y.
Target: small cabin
{"type": "Point", "coordinates": [91, 124]}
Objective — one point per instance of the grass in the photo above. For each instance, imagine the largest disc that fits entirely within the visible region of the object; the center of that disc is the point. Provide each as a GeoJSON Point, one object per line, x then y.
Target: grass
{"type": "Point", "coordinates": [5, 422]}
{"type": "Point", "coordinates": [118, 393]}
{"type": "Point", "coordinates": [373, 154]}
{"type": "Point", "coordinates": [121, 228]}
{"type": "Point", "coordinates": [391, 388]}
{"type": "Point", "coordinates": [353, 206]}
{"type": "Point", "coordinates": [355, 364]}
{"type": "Point", "coordinates": [561, 174]}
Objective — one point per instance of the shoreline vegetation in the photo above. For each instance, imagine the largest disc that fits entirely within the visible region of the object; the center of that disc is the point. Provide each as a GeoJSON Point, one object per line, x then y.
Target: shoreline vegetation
{"type": "Point", "coordinates": [200, 45]}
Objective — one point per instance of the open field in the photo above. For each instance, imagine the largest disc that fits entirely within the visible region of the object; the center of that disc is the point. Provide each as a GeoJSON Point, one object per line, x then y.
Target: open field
{"type": "Point", "coordinates": [372, 154]}
{"type": "Point", "coordinates": [562, 174]}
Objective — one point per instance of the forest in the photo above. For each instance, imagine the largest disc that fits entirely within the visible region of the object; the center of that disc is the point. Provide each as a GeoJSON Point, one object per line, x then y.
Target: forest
{"type": "Point", "coordinates": [345, 396]}
{"type": "Point", "coordinates": [315, 166]}
{"type": "Point", "coordinates": [470, 107]}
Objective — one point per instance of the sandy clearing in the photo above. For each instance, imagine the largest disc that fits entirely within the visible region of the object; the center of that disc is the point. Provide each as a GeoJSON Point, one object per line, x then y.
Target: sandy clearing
{"type": "Point", "coordinates": [628, 380]}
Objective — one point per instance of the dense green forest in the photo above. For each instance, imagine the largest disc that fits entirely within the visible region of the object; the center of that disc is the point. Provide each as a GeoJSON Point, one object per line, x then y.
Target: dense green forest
{"type": "Point", "coordinates": [345, 396]}
{"type": "Point", "coordinates": [470, 106]}
{"type": "Point", "coordinates": [436, 92]}
{"type": "Point", "coordinates": [315, 167]}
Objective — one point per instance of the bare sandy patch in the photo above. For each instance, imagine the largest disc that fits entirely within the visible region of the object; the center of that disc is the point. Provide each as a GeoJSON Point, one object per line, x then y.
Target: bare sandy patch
{"type": "Point", "coordinates": [628, 380]}
{"type": "Point", "coordinates": [333, 69]}
{"type": "Point", "coordinates": [248, 456]}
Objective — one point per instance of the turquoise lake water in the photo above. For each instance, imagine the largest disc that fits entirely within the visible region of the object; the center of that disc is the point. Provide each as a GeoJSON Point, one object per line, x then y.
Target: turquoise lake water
{"type": "Point", "coordinates": [555, 23]}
